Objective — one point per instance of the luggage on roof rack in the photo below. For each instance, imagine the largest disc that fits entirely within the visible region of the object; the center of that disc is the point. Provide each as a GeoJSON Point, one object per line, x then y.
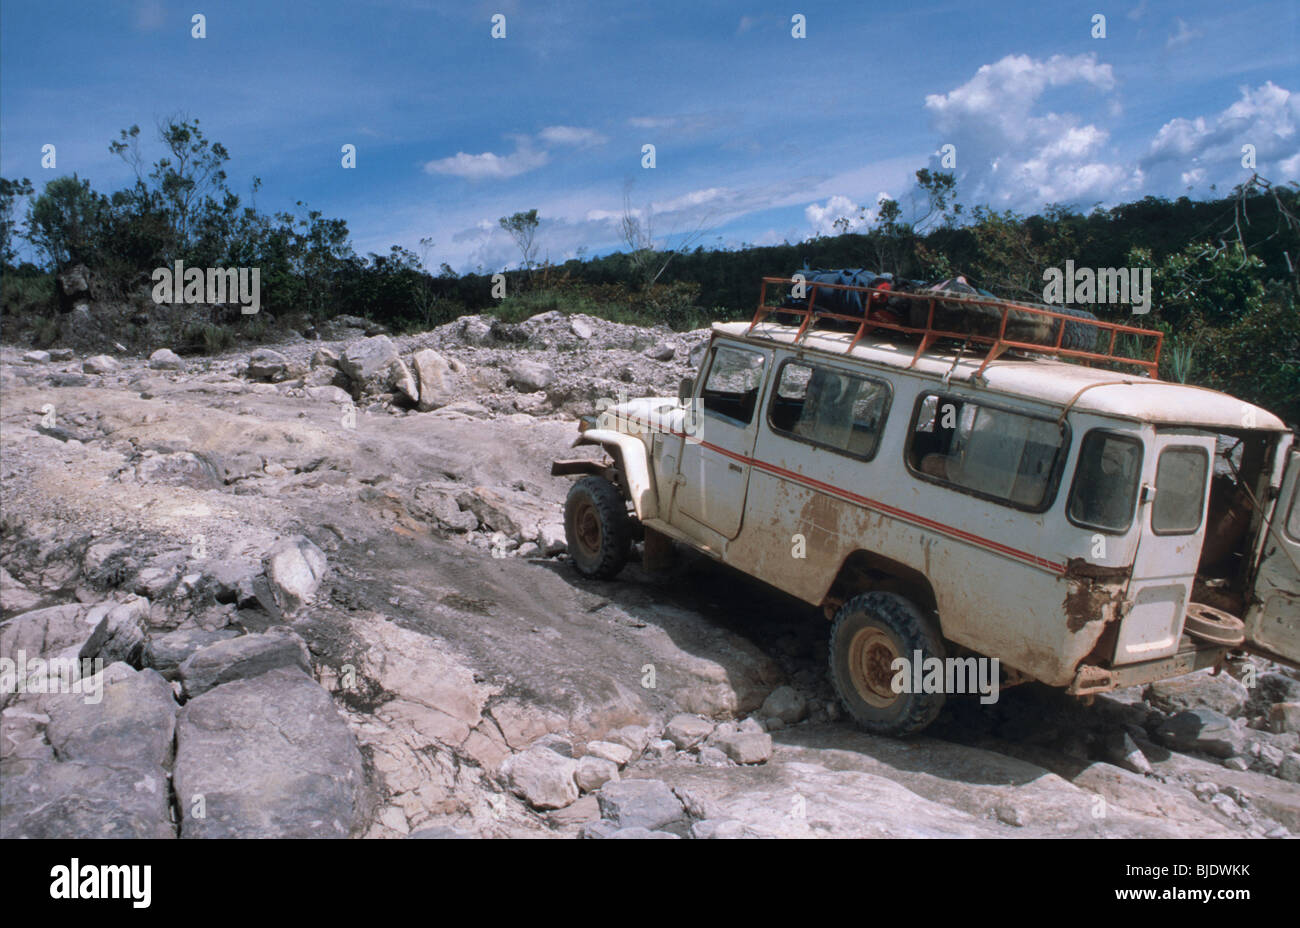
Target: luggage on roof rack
{"type": "Point", "coordinates": [953, 309]}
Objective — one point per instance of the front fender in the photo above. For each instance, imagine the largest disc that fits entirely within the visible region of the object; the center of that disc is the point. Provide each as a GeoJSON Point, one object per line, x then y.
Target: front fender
{"type": "Point", "coordinates": [634, 460]}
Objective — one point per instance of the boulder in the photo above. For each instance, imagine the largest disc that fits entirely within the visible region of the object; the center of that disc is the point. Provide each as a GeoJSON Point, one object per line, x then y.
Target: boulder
{"type": "Point", "coordinates": [431, 373]}
{"type": "Point", "coordinates": [717, 829]}
{"type": "Point", "coordinates": [474, 330]}
{"type": "Point", "coordinates": [366, 361]}
{"type": "Point", "coordinates": [125, 719]}
{"type": "Point", "coordinates": [594, 772]}
{"type": "Point", "coordinates": [608, 750]}
{"type": "Point", "coordinates": [166, 653]}
{"type": "Point", "coordinates": [61, 354]}
{"type": "Point", "coordinates": [164, 359]}
{"type": "Point", "coordinates": [1222, 693]}
{"type": "Point", "coordinates": [294, 569]}
{"type": "Point", "coordinates": [402, 382]}
{"type": "Point", "coordinates": [687, 731]}
{"type": "Point", "coordinates": [14, 597]}
{"type": "Point", "coordinates": [330, 394]}
{"type": "Point", "coordinates": [1200, 730]}
{"type": "Point", "coordinates": [267, 757]}
{"type": "Point", "coordinates": [100, 364]}
{"type": "Point", "coordinates": [120, 634]}
{"type": "Point", "coordinates": [529, 376]}
{"type": "Point", "coordinates": [649, 804]}
{"type": "Point", "coordinates": [266, 364]}
{"type": "Point", "coordinates": [243, 657]}
{"type": "Point", "coordinates": [785, 703]}
{"type": "Point", "coordinates": [74, 285]}
{"type": "Point", "coordinates": [324, 357]}
{"type": "Point", "coordinates": [633, 737]}
{"type": "Point", "coordinates": [43, 798]}
{"type": "Point", "coordinates": [36, 357]}
{"type": "Point", "coordinates": [542, 777]}
{"type": "Point", "coordinates": [1122, 751]}
{"type": "Point", "coordinates": [1284, 717]}
{"type": "Point", "coordinates": [746, 747]}
{"type": "Point", "coordinates": [178, 469]}
{"type": "Point", "coordinates": [232, 581]}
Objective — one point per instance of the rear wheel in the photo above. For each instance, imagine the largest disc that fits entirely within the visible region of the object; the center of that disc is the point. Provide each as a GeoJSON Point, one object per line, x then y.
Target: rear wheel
{"type": "Point", "coordinates": [597, 528]}
{"type": "Point", "coordinates": [872, 630]}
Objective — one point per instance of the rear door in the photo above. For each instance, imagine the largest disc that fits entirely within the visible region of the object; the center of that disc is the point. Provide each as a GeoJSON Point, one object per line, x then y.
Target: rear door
{"type": "Point", "coordinates": [713, 476]}
{"type": "Point", "coordinates": [1273, 620]}
{"type": "Point", "coordinates": [1171, 512]}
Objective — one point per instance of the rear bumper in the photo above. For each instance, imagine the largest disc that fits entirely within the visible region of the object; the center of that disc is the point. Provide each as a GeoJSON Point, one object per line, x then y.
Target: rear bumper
{"type": "Point", "coordinates": [1189, 657]}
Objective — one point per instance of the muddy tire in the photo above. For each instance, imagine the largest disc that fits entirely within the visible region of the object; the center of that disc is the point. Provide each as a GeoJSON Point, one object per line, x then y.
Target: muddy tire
{"type": "Point", "coordinates": [869, 632]}
{"type": "Point", "coordinates": [597, 528]}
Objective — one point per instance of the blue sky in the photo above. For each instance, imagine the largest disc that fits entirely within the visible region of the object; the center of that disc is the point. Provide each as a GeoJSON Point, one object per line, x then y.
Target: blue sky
{"type": "Point", "coordinates": [760, 137]}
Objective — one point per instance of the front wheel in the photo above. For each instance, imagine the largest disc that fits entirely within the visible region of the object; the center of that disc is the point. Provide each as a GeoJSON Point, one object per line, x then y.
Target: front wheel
{"type": "Point", "coordinates": [871, 631]}
{"type": "Point", "coordinates": [597, 528]}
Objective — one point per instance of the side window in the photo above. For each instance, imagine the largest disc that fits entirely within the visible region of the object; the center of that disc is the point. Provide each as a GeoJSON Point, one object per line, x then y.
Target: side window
{"type": "Point", "coordinates": [1180, 491]}
{"type": "Point", "coordinates": [1006, 456]}
{"type": "Point", "coordinates": [735, 379]}
{"type": "Point", "coordinates": [1293, 523]}
{"type": "Point", "coordinates": [841, 411]}
{"type": "Point", "coordinates": [1106, 482]}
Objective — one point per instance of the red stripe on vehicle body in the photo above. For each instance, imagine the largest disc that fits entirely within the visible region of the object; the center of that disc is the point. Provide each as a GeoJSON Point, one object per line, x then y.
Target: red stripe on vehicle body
{"type": "Point", "coordinates": [867, 502]}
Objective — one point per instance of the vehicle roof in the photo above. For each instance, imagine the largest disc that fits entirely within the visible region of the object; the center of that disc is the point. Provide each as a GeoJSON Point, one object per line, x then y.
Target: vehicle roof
{"type": "Point", "coordinates": [1043, 379]}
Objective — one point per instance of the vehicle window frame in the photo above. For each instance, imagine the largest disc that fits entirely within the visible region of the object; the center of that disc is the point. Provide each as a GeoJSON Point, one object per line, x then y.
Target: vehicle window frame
{"type": "Point", "coordinates": [1291, 512]}
{"type": "Point", "coordinates": [1205, 484]}
{"type": "Point", "coordinates": [1053, 480]}
{"type": "Point", "coordinates": [1137, 483]}
{"type": "Point", "coordinates": [803, 439]}
{"type": "Point", "coordinates": [762, 383]}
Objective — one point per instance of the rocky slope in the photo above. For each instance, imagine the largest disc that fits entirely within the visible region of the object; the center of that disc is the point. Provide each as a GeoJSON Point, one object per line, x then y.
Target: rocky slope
{"type": "Point", "coordinates": [326, 585]}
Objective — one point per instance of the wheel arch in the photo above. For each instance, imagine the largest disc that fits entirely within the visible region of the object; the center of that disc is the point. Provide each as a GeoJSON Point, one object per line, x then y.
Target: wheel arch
{"type": "Point", "coordinates": [863, 571]}
{"type": "Point", "coordinates": [632, 460]}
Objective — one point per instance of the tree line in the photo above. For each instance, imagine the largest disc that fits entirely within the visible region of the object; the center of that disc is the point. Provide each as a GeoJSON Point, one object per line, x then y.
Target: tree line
{"type": "Point", "coordinates": [1226, 270]}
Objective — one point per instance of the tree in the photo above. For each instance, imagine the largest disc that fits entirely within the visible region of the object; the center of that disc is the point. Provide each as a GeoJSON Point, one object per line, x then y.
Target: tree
{"type": "Point", "coordinates": [522, 228]}
{"type": "Point", "coordinates": [189, 183]}
{"type": "Point", "coordinates": [637, 229]}
{"type": "Point", "coordinates": [10, 192]}
{"type": "Point", "coordinates": [66, 222]}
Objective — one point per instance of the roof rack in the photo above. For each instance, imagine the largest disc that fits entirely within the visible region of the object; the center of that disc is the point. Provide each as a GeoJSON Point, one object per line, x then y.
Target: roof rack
{"type": "Point", "coordinates": [998, 344]}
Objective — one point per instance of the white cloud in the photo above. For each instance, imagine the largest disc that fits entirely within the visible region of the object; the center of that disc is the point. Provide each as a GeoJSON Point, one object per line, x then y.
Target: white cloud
{"type": "Point", "coordinates": [693, 198]}
{"type": "Point", "coordinates": [488, 164]}
{"type": "Point", "coordinates": [571, 135]}
{"type": "Point", "coordinates": [1012, 153]}
{"type": "Point", "coordinates": [526, 156]}
{"type": "Point", "coordinates": [1184, 35]}
{"type": "Point", "coordinates": [823, 217]}
{"type": "Point", "coordinates": [1210, 148]}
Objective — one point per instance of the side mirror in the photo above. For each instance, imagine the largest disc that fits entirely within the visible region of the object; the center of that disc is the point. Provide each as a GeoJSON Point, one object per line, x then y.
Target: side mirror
{"type": "Point", "coordinates": [685, 389]}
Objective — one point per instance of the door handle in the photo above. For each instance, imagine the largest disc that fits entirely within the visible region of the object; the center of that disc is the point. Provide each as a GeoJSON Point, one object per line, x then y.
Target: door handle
{"type": "Point", "coordinates": [736, 467]}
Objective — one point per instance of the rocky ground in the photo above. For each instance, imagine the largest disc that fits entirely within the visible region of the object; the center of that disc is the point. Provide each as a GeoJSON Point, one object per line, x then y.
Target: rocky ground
{"type": "Point", "coordinates": [327, 585]}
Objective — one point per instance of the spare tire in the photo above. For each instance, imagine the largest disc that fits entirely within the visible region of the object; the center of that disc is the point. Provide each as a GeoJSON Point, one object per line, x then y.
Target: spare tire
{"type": "Point", "coordinates": [1078, 337]}
{"type": "Point", "coordinates": [1021, 326]}
{"type": "Point", "coordinates": [1214, 625]}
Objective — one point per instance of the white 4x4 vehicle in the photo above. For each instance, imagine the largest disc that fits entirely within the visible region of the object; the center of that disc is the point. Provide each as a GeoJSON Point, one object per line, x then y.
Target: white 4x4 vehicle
{"type": "Point", "coordinates": [1088, 529]}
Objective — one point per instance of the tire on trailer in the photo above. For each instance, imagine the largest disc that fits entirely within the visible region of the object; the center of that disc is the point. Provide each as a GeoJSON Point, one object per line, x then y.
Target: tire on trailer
{"type": "Point", "coordinates": [597, 528]}
{"type": "Point", "coordinates": [869, 632]}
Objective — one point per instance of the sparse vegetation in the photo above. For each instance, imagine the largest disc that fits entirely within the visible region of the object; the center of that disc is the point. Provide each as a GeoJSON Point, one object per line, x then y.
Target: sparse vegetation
{"type": "Point", "coordinates": [1224, 271]}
